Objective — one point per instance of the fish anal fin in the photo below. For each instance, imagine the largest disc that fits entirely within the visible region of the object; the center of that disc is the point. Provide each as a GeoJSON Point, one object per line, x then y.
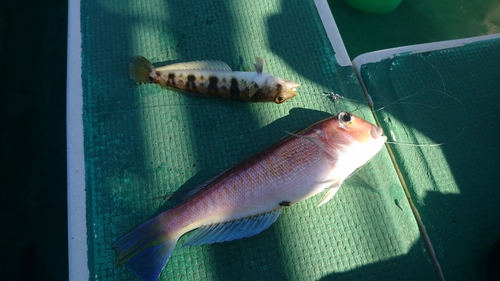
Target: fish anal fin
{"type": "Point", "coordinates": [259, 65]}
{"type": "Point", "coordinates": [332, 190]}
{"type": "Point", "coordinates": [197, 65]}
{"type": "Point", "coordinates": [232, 230]}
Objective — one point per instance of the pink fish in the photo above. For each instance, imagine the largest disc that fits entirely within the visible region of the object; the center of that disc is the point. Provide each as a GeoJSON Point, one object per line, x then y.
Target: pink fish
{"type": "Point", "coordinates": [247, 198]}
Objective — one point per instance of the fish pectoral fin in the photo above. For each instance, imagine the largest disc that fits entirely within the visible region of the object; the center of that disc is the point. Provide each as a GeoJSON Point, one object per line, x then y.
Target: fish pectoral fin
{"type": "Point", "coordinates": [252, 89]}
{"type": "Point", "coordinates": [332, 190]}
{"type": "Point", "coordinates": [197, 65]}
{"type": "Point", "coordinates": [242, 84]}
{"type": "Point", "coordinates": [259, 65]}
{"type": "Point", "coordinates": [232, 230]}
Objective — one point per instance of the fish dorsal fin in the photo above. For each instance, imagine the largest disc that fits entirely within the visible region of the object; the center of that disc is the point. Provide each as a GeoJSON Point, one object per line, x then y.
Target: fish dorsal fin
{"type": "Point", "coordinates": [197, 65]}
{"type": "Point", "coordinates": [191, 191]}
{"type": "Point", "coordinates": [187, 193]}
{"type": "Point", "coordinates": [246, 69]}
{"type": "Point", "coordinates": [331, 191]}
{"type": "Point", "coordinates": [232, 230]}
{"type": "Point", "coordinates": [259, 65]}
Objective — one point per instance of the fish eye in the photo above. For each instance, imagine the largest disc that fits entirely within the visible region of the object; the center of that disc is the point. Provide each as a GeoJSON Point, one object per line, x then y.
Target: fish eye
{"type": "Point", "coordinates": [279, 99]}
{"type": "Point", "coordinates": [345, 118]}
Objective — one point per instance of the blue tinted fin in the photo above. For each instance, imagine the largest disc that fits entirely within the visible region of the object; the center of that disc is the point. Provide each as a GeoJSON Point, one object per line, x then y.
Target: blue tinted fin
{"type": "Point", "coordinates": [145, 250]}
{"type": "Point", "coordinates": [232, 230]}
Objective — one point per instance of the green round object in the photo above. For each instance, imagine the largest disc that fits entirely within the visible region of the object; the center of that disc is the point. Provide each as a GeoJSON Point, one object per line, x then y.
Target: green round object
{"type": "Point", "coordinates": [374, 6]}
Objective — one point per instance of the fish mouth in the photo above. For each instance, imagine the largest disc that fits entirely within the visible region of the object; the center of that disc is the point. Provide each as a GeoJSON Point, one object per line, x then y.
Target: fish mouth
{"type": "Point", "coordinates": [292, 86]}
{"type": "Point", "coordinates": [376, 132]}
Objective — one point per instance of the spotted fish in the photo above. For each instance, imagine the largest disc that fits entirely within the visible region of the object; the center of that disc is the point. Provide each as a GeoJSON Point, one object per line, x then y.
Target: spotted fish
{"type": "Point", "coordinates": [215, 78]}
{"type": "Point", "coordinates": [248, 198]}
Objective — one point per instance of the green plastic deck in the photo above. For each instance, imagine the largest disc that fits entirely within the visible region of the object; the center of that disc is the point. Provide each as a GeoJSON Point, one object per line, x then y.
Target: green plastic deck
{"type": "Point", "coordinates": [143, 142]}
{"type": "Point", "coordinates": [414, 22]}
{"type": "Point", "coordinates": [448, 97]}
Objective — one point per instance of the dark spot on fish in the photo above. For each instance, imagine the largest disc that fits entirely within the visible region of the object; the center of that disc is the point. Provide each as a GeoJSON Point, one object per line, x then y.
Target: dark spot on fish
{"type": "Point", "coordinates": [285, 204]}
{"type": "Point", "coordinates": [190, 83]}
{"type": "Point", "coordinates": [212, 84]}
{"type": "Point", "coordinates": [171, 79]}
{"type": "Point", "coordinates": [279, 87]}
{"type": "Point", "coordinates": [223, 92]}
{"type": "Point", "coordinates": [234, 90]}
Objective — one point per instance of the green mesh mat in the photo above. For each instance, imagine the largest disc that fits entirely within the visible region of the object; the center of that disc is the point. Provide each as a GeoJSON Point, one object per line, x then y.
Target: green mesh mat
{"type": "Point", "coordinates": [447, 97]}
{"type": "Point", "coordinates": [143, 142]}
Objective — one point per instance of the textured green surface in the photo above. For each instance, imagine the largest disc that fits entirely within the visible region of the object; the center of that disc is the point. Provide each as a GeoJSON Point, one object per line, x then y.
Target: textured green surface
{"type": "Point", "coordinates": [143, 142]}
{"type": "Point", "coordinates": [414, 22]}
{"type": "Point", "coordinates": [449, 96]}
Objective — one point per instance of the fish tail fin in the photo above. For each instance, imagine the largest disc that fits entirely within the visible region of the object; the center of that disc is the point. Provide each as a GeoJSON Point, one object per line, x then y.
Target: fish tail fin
{"type": "Point", "coordinates": [139, 69]}
{"type": "Point", "coordinates": [145, 249]}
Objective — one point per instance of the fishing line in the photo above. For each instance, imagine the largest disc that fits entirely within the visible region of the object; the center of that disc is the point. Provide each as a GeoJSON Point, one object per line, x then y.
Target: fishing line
{"type": "Point", "coordinates": [386, 106]}
{"type": "Point", "coordinates": [448, 141]}
{"type": "Point", "coordinates": [442, 92]}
